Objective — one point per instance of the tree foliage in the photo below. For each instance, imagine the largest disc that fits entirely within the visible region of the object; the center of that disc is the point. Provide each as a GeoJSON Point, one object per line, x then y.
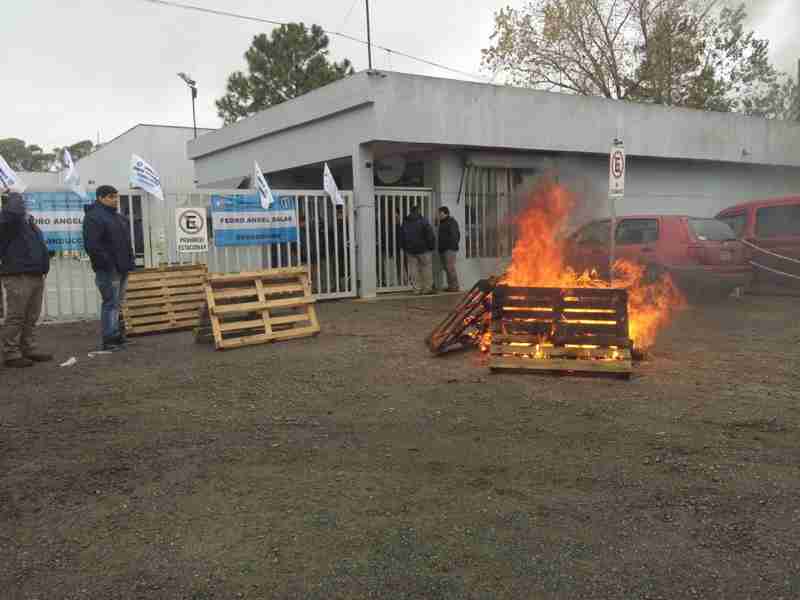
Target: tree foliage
{"type": "Point", "coordinates": [291, 62]}
{"type": "Point", "coordinates": [25, 157]}
{"type": "Point", "coordinates": [673, 52]}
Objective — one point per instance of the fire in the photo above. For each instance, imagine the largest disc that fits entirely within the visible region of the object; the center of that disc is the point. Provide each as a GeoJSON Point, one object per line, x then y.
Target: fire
{"type": "Point", "coordinates": [539, 260]}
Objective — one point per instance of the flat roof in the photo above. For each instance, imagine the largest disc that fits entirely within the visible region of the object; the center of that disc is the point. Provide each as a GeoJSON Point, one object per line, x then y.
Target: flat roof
{"type": "Point", "coordinates": [400, 108]}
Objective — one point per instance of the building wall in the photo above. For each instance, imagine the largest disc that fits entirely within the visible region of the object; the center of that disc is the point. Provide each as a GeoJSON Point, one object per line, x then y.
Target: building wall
{"type": "Point", "coordinates": [39, 178]}
{"type": "Point", "coordinates": [162, 147]}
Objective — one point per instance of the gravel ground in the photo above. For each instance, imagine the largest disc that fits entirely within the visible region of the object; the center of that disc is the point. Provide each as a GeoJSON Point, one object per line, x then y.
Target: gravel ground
{"type": "Point", "coordinates": [354, 465]}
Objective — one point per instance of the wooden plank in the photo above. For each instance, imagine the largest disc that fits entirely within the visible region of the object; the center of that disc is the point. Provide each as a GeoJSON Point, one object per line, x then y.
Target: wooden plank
{"type": "Point", "coordinates": [228, 293]}
{"type": "Point", "coordinates": [144, 274]}
{"type": "Point", "coordinates": [214, 319]}
{"type": "Point", "coordinates": [163, 317]}
{"type": "Point", "coordinates": [165, 291]}
{"type": "Point", "coordinates": [283, 273]}
{"type": "Point", "coordinates": [265, 313]}
{"type": "Point", "coordinates": [162, 309]}
{"type": "Point", "coordinates": [165, 283]}
{"type": "Point", "coordinates": [229, 309]}
{"type": "Point", "coordinates": [286, 288]}
{"type": "Point", "coordinates": [252, 340]}
{"type": "Point", "coordinates": [163, 301]}
{"type": "Point", "coordinates": [561, 364]}
{"type": "Point", "coordinates": [549, 352]}
{"type": "Point", "coordinates": [242, 325]}
{"type": "Point", "coordinates": [163, 327]}
{"type": "Point", "coordinates": [312, 310]}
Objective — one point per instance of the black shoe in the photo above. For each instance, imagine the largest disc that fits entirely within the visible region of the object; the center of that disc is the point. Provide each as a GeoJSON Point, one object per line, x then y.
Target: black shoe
{"type": "Point", "coordinates": [18, 363]}
{"type": "Point", "coordinates": [39, 356]}
{"type": "Point", "coordinates": [111, 346]}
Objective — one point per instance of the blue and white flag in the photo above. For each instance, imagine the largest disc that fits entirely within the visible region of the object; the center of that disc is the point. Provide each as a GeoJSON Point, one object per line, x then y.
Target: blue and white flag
{"type": "Point", "coordinates": [9, 179]}
{"type": "Point", "coordinates": [329, 185]}
{"type": "Point", "coordinates": [145, 177]}
{"type": "Point", "coordinates": [72, 178]}
{"type": "Point", "coordinates": [264, 192]}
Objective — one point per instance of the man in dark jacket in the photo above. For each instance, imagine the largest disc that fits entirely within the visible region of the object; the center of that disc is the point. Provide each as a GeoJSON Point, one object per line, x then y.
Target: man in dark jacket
{"type": "Point", "coordinates": [449, 237]}
{"type": "Point", "coordinates": [418, 241]}
{"type": "Point", "coordinates": [25, 264]}
{"type": "Point", "coordinates": [107, 239]}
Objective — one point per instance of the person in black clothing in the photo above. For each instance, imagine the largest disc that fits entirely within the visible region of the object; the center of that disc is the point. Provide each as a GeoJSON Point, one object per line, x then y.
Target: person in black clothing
{"type": "Point", "coordinates": [107, 238]}
{"type": "Point", "coordinates": [418, 241]}
{"type": "Point", "coordinates": [24, 265]}
{"type": "Point", "coordinates": [449, 237]}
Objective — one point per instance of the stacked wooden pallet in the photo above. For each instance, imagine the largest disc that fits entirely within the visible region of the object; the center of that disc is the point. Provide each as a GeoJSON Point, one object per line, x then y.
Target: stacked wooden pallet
{"type": "Point", "coordinates": [552, 329]}
{"type": "Point", "coordinates": [164, 298]}
{"type": "Point", "coordinates": [260, 307]}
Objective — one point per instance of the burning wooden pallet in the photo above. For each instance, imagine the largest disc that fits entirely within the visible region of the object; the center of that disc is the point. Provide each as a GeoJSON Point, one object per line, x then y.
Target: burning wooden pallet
{"type": "Point", "coordinates": [466, 322]}
{"type": "Point", "coordinates": [260, 307]}
{"type": "Point", "coordinates": [164, 299]}
{"type": "Point", "coordinates": [553, 329]}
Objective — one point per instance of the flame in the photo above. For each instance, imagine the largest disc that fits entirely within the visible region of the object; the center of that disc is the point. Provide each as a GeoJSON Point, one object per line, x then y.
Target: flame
{"type": "Point", "coordinates": [539, 260]}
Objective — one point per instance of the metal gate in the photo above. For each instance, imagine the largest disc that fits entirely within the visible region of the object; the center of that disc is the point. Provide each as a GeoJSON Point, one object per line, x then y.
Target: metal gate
{"type": "Point", "coordinates": [326, 243]}
{"type": "Point", "coordinates": [391, 206]}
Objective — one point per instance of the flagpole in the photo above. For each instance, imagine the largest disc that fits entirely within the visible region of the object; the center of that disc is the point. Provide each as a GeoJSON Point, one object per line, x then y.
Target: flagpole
{"type": "Point", "coordinates": [369, 40]}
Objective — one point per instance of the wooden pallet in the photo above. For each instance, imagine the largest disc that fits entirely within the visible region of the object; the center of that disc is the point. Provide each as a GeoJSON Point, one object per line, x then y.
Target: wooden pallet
{"type": "Point", "coordinates": [260, 307]}
{"type": "Point", "coordinates": [465, 323]}
{"type": "Point", "coordinates": [567, 330]}
{"type": "Point", "coordinates": [164, 298]}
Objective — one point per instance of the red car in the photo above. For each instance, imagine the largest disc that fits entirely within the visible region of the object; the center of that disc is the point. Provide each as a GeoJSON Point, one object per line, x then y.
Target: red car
{"type": "Point", "coordinates": [774, 226]}
{"type": "Point", "coordinates": [703, 256]}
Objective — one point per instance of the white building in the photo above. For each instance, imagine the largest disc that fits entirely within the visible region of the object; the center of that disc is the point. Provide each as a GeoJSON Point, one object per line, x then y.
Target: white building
{"type": "Point", "coordinates": [470, 146]}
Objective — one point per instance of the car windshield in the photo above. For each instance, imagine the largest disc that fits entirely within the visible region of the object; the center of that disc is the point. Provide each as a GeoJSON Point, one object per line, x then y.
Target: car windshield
{"type": "Point", "coordinates": [711, 230]}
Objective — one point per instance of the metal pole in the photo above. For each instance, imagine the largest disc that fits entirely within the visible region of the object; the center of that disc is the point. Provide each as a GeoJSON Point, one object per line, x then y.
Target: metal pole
{"type": "Point", "coordinates": [369, 40]}
{"type": "Point", "coordinates": [612, 255]}
{"type": "Point", "coordinates": [194, 115]}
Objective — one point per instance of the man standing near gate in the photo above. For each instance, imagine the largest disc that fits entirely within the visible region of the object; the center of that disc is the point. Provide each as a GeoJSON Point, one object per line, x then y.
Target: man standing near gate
{"type": "Point", "coordinates": [449, 237]}
{"type": "Point", "coordinates": [107, 238]}
{"type": "Point", "coordinates": [25, 264]}
{"type": "Point", "coordinates": [418, 241]}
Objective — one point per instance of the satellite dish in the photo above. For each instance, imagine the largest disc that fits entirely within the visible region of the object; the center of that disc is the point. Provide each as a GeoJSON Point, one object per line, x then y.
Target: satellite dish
{"type": "Point", "coordinates": [390, 169]}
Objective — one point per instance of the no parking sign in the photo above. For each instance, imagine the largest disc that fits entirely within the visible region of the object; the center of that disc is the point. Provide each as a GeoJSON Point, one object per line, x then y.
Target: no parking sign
{"type": "Point", "coordinates": [191, 230]}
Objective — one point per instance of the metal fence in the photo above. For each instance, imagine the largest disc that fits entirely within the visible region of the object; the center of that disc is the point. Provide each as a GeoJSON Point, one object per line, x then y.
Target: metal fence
{"type": "Point", "coordinates": [325, 242]}
{"type": "Point", "coordinates": [391, 205]}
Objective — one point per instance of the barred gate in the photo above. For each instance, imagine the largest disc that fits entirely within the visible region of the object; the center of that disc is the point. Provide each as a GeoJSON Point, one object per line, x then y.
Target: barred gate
{"type": "Point", "coordinates": [391, 206]}
{"type": "Point", "coordinates": [326, 243]}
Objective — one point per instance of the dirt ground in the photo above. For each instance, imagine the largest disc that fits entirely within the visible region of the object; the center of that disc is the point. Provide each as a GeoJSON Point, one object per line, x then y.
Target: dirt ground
{"type": "Point", "coordinates": [354, 465]}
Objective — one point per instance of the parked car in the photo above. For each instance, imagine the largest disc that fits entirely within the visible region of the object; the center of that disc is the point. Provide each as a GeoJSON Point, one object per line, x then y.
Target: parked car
{"type": "Point", "coordinates": [773, 225]}
{"type": "Point", "coordinates": [703, 256]}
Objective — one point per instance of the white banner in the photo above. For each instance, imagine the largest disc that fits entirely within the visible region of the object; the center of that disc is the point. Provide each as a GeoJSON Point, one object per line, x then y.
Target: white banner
{"type": "Point", "coordinates": [9, 179]}
{"type": "Point", "coordinates": [145, 177]}
{"type": "Point", "coordinates": [191, 230]}
{"type": "Point", "coordinates": [264, 191]}
{"type": "Point", "coordinates": [329, 185]}
{"type": "Point", "coordinates": [254, 220]}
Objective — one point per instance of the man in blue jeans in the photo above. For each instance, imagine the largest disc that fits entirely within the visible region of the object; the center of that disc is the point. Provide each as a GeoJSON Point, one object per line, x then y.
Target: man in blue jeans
{"type": "Point", "coordinates": [107, 239]}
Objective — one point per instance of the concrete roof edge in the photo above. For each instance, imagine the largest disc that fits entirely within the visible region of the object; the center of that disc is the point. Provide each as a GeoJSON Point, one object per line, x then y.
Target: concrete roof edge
{"type": "Point", "coordinates": [339, 96]}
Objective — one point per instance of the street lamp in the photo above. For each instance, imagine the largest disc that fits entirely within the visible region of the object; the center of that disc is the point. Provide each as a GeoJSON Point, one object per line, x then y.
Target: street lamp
{"type": "Point", "coordinates": [192, 86]}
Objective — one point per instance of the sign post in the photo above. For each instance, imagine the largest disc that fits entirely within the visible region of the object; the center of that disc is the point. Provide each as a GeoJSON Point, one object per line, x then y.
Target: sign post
{"type": "Point", "coordinates": [191, 230]}
{"type": "Point", "coordinates": [616, 191]}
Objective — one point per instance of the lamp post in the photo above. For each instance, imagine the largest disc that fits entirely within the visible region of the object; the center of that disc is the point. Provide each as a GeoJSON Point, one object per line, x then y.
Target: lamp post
{"type": "Point", "coordinates": [192, 86]}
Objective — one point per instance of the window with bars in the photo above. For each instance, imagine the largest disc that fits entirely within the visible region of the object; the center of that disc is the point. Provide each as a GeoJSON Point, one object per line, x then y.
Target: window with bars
{"type": "Point", "coordinates": [490, 203]}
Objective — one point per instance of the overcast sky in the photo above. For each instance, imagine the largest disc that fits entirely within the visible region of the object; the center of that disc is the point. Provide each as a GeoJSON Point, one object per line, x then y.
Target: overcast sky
{"type": "Point", "coordinates": [79, 67]}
